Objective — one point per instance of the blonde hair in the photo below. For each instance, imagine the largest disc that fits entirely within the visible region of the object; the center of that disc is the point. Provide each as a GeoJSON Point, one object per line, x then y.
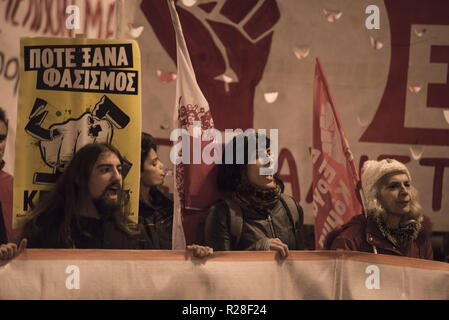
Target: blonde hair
{"type": "Point", "coordinates": [377, 209]}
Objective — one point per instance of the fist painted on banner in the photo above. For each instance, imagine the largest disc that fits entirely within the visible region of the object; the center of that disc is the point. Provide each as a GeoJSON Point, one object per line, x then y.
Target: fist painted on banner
{"type": "Point", "coordinates": [228, 42]}
{"type": "Point", "coordinates": [61, 141]}
{"type": "Point", "coordinates": [67, 138]}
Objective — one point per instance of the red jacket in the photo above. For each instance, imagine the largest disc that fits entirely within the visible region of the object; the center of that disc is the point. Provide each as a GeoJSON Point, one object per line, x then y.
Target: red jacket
{"type": "Point", "coordinates": [360, 234]}
{"type": "Point", "coordinates": [6, 198]}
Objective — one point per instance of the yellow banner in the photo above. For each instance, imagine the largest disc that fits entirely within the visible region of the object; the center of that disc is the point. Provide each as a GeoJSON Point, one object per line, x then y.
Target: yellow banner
{"type": "Point", "coordinates": [73, 92]}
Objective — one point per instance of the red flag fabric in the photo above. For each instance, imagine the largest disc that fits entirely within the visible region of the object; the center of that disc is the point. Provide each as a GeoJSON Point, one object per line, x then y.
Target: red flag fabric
{"type": "Point", "coordinates": [194, 181]}
{"type": "Point", "coordinates": [335, 175]}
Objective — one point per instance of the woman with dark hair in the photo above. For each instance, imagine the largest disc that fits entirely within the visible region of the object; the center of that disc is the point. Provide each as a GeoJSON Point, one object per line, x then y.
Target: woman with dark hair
{"type": "Point", "coordinates": [254, 213]}
{"type": "Point", "coordinates": [155, 206]}
{"type": "Point", "coordinates": [393, 223]}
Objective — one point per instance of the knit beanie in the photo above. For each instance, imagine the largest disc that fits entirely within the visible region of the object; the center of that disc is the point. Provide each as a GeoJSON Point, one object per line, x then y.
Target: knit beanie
{"type": "Point", "coordinates": [372, 172]}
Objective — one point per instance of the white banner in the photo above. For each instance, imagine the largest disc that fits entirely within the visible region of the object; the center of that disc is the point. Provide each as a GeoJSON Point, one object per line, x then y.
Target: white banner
{"type": "Point", "coordinates": [173, 275]}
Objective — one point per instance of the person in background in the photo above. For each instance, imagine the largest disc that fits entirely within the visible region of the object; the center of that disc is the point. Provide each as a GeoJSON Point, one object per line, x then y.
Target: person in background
{"type": "Point", "coordinates": [8, 249]}
{"type": "Point", "coordinates": [6, 183]}
{"type": "Point", "coordinates": [155, 206]}
{"type": "Point", "coordinates": [394, 223]}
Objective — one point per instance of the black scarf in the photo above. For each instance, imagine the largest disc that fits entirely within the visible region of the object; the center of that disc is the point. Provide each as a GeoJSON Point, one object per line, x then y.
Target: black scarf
{"type": "Point", "coordinates": [401, 236]}
{"type": "Point", "coordinates": [256, 202]}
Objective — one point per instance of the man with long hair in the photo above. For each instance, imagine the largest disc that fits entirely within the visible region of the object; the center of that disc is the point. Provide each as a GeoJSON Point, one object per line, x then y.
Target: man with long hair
{"type": "Point", "coordinates": [87, 208]}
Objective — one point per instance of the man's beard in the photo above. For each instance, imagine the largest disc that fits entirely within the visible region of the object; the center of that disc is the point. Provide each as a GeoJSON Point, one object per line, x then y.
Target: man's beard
{"type": "Point", "coordinates": [107, 207]}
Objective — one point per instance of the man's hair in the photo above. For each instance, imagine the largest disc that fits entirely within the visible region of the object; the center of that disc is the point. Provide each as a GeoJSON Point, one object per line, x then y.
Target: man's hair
{"type": "Point", "coordinates": [3, 117]}
{"type": "Point", "coordinates": [61, 207]}
{"type": "Point", "coordinates": [230, 175]}
{"type": "Point", "coordinates": [147, 143]}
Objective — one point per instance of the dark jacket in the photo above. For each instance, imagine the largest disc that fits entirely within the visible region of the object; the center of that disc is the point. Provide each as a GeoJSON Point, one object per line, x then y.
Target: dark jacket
{"type": "Point", "coordinates": [360, 234]}
{"type": "Point", "coordinates": [91, 234]}
{"type": "Point", "coordinates": [255, 232]}
{"type": "Point", "coordinates": [157, 218]}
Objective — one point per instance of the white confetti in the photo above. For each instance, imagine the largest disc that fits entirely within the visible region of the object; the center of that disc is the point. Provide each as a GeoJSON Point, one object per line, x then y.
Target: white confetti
{"type": "Point", "coordinates": [376, 44]}
{"type": "Point", "coordinates": [446, 115]}
{"type": "Point", "coordinates": [414, 89]}
{"type": "Point", "coordinates": [301, 52]}
{"type": "Point", "coordinates": [416, 151]}
{"type": "Point", "coordinates": [135, 32]}
{"type": "Point", "coordinates": [420, 33]}
{"type": "Point", "coordinates": [189, 3]}
{"type": "Point", "coordinates": [332, 16]}
{"type": "Point", "coordinates": [362, 121]}
{"type": "Point", "coordinates": [271, 97]}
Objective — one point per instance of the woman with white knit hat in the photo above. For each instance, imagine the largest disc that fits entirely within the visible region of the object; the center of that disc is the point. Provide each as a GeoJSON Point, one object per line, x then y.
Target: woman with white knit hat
{"type": "Point", "coordinates": [392, 222]}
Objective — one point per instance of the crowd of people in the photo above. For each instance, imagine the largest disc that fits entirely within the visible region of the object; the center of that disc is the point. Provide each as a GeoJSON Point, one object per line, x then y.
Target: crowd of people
{"type": "Point", "coordinates": [89, 209]}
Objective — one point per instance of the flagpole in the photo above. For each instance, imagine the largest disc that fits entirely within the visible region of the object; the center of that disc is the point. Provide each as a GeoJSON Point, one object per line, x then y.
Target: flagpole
{"type": "Point", "coordinates": [344, 141]}
{"type": "Point", "coordinates": [119, 19]}
{"type": "Point", "coordinates": [195, 186]}
{"type": "Point", "coordinates": [180, 41]}
{"type": "Point", "coordinates": [178, 235]}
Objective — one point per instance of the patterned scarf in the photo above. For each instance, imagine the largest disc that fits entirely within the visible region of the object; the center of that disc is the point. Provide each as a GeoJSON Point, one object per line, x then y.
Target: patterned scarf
{"type": "Point", "coordinates": [256, 202]}
{"type": "Point", "coordinates": [401, 236]}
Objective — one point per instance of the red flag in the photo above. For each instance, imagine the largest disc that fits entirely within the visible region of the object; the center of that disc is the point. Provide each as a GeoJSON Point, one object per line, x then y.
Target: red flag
{"type": "Point", "coordinates": [335, 175]}
{"type": "Point", "coordinates": [195, 182]}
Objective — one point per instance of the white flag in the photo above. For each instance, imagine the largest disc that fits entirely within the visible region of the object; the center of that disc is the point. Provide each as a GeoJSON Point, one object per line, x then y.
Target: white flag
{"type": "Point", "coordinates": [190, 106]}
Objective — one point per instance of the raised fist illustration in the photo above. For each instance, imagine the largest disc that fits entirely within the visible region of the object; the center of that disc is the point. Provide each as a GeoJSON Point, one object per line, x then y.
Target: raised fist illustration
{"type": "Point", "coordinates": [61, 141]}
{"type": "Point", "coordinates": [229, 43]}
